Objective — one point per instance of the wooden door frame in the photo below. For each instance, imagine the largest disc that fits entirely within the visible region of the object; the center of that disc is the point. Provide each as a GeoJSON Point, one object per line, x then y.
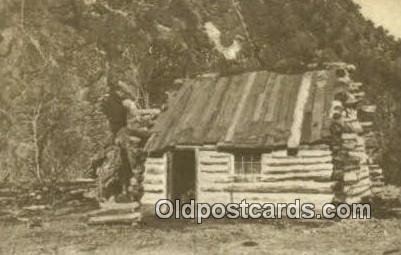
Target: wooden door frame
{"type": "Point", "coordinates": [170, 164]}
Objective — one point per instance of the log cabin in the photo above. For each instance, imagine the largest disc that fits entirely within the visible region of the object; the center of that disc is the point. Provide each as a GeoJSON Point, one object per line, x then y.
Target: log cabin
{"type": "Point", "coordinates": [265, 137]}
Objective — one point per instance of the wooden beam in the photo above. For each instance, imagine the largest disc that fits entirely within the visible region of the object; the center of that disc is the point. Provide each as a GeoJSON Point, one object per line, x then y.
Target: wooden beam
{"type": "Point", "coordinates": [272, 187]}
{"type": "Point", "coordinates": [214, 168]}
{"type": "Point", "coordinates": [297, 160]}
{"type": "Point", "coordinates": [153, 188]}
{"type": "Point", "coordinates": [317, 199]}
{"type": "Point", "coordinates": [302, 153]}
{"type": "Point", "coordinates": [324, 166]}
{"type": "Point", "coordinates": [153, 179]}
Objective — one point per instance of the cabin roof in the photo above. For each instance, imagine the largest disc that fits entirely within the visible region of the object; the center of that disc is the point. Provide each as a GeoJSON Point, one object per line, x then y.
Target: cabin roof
{"type": "Point", "coordinates": [250, 110]}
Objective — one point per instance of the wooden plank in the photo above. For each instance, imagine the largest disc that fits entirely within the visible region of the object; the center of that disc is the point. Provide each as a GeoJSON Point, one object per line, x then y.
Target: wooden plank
{"type": "Point", "coordinates": [313, 175]}
{"type": "Point", "coordinates": [268, 168]}
{"type": "Point", "coordinates": [296, 127]}
{"type": "Point", "coordinates": [151, 198]}
{"type": "Point", "coordinates": [298, 160]}
{"type": "Point", "coordinates": [289, 115]}
{"type": "Point", "coordinates": [329, 98]}
{"type": "Point", "coordinates": [214, 168]}
{"type": "Point", "coordinates": [182, 127]}
{"type": "Point", "coordinates": [356, 189]}
{"type": "Point", "coordinates": [262, 98]}
{"type": "Point", "coordinates": [191, 126]}
{"type": "Point", "coordinates": [307, 123]}
{"type": "Point", "coordinates": [205, 162]}
{"type": "Point", "coordinates": [260, 125]}
{"type": "Point", "coordinates": [320, 176]}
{"type": "Point", "coordinates": [214, 197]}
{"type": "Point", "coordinates": [317, 199]}
{"type": "Point", "coordinates": [245, 130]}
{"type": "Point", "coordinates": [214, 154]}
{"type": "Point", "coordinates": [350, 176]}
{"type": "Point", "coordinates": [229, 106]}
{"type": "Point", "coordinates": [154, 170]}
{"type": "Point", "coordinates": [308, 147]}
{"type": "Point", "coordinates": [241, 105]}
{"type": "Point", "coordinates": [216, 97]}
{"type": "Point", "coordinates": [155, 164]}
{"type": "Point", "coordinates": [152, 160]}
{"type": "Point", "coordinates": [166, 121]}
{"type": "Point", "coordinates": [272, 187]}
{"type": "Point", "coordinates": [154, 179]}
{"type": "Point", "coordinates": [302, 153]}
{"type": "Point", "coordinates": [272, 101]}
{"type": "Point", "coordinates": [318, 112]}
{"type": "Point", "coordinates": [284, 102]}
{"type": "Point", "coordinates": [214, 162]}
{"type": "Point", "coordinates": [153, 188]}
{"type": "Point", "coordinates": [217, 104]}
{"type": "Point", "coordinates": [205, 178]}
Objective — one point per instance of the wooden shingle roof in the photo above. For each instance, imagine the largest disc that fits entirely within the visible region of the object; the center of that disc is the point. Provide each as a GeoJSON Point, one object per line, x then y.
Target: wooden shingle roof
{"type": "Point", "coordinates": [249, 110]}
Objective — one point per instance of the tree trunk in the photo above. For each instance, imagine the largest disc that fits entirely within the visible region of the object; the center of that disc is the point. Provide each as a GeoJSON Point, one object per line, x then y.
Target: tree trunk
{"type": "Point", "coordinates": [38, 150]}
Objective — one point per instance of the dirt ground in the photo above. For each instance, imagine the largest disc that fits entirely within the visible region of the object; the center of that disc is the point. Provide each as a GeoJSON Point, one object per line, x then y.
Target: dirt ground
{"type": "Point", "coordinates": [68, 234]}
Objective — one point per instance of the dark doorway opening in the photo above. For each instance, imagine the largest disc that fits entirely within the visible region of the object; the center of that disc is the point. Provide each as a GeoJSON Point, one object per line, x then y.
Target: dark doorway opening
{"type": "Point", "coordinates": [182, 177]}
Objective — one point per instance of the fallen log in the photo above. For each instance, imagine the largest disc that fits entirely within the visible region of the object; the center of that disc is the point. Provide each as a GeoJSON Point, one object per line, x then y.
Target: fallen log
{"type": "Point", "coordinates": [115, 219]}
{"type": "Point", "coordinates": [110, 212]}
{"type": "Point", "coordinates": [119, 206]}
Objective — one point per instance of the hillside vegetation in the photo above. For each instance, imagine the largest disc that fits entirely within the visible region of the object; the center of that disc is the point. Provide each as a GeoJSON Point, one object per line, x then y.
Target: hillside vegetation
{"type": "Point", "coordinates": [67, 65]}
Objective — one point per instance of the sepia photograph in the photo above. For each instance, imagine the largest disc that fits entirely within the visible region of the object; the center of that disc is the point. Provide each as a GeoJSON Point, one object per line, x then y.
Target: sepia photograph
{"type": "Point", "coordinates": [200, 127]}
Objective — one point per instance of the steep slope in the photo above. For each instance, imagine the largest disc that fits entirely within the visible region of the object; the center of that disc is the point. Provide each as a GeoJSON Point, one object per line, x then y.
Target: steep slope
{"type": "Point", "coordinates": [107, 51]}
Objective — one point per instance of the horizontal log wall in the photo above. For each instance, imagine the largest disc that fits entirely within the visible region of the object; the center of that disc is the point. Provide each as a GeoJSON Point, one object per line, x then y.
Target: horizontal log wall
{"type": "Point", "coordinates": [155, 180]}
{"type": "Point", "coordinates": [214, 168]}
{"type": "Point", "coordinates": [307, 176]}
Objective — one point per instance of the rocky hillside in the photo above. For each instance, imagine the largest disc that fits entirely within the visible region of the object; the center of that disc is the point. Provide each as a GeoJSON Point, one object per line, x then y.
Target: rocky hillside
{"type": "Point", "coordinates": [67, 66]}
